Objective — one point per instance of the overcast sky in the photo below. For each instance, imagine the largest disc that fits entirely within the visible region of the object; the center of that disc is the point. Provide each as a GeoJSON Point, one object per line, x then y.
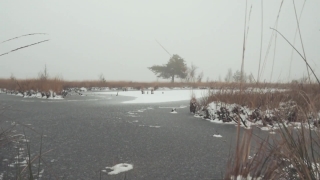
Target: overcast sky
{"type": "Point", "coordinates": [117, 38]}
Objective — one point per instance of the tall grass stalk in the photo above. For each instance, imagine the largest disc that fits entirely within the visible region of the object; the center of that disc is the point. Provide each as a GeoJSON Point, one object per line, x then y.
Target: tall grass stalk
{"type": "Point", "coordinates": [258, 77]}
{"type": "Point", "coordinates": [271, 40]}
{"type": "Point", "coordinates": [298, 26]}
{"type": "Point", "coordinates": [244, 47]}
{"type": "Point", "coordinates": [294, 40]}
{"type": "Point", "coordinates": [305, 60]}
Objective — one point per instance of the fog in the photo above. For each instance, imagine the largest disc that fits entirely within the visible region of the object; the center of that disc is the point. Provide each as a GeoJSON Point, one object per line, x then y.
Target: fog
{"type": "Point", "coordinates": [118, 38]}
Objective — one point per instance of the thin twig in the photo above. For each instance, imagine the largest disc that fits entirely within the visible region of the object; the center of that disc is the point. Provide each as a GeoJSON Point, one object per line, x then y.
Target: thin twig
{"type": "Point", "coordinates": [163, 48]}
{"type": "Point", "coordinates": [304, 53]}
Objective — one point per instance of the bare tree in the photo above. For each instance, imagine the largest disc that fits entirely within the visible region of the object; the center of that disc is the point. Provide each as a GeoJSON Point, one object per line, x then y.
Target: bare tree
{"type": "Point", "coordinates": [250, 78]}
{"type": "Point", "coordinates": [192, 72]}
{"type": "Point", "coordinates": [12, 77]}
{"type": "Point", "coordinates": [239, 76]}
{"type": "Point", "coordinates": [101, 78]}
{"type": "Point", "coordinates": [229, 76]}
{"type": "Point", "coordinates": [44, 75]}
{"type": "Point", "coordinates": [200, 76]}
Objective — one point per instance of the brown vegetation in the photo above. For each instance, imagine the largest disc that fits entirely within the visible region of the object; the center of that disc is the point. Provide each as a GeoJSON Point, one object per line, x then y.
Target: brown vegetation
{"type": "Point", "coordinates": [268, 98]}
{"type": "Point", "coordinates": [58, 84]}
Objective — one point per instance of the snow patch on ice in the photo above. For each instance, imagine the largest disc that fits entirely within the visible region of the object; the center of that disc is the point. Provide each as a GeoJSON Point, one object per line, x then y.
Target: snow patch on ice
{"type": "Point", "coordinates": [141, 125]}
{"type": "Point", "coordinates": [155, 126]}
{"type": "Point", "coordinates": [217, 135]}
{"type": "Point", "coordinates": [119, 168]}
{"type": "Point", "coordinates": [167, 107]}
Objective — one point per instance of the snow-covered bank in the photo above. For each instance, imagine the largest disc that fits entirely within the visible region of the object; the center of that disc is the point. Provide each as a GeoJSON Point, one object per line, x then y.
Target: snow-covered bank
{"type": "Point", "coordinates": [269, 120]}
{"type": "Point", "coordinates": [51, 95]}
{"type": "Point", "coordinates": [159, 95]}
{"type": "Point", "coordinates": [34, 94]}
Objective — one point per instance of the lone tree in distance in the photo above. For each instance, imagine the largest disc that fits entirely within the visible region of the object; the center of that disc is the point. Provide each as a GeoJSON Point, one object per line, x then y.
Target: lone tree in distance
{"type": "Point", "coordinates": [176, 67]}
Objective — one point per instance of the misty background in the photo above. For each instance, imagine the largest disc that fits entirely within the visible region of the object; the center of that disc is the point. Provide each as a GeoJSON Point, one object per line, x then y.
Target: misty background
{"type": "Point", "coordinates": [117, 38]}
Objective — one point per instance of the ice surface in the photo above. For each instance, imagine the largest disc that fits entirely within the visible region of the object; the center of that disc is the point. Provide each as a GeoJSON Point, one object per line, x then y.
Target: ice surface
{"type": "Point", "coordinates": [119, 168]}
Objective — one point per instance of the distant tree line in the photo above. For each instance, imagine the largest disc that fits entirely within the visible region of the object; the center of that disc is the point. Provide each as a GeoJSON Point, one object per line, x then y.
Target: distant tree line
{"type": "Point", "coordinates": [236, 77]}
{"type": "Point", "coordinates": [177, 68]}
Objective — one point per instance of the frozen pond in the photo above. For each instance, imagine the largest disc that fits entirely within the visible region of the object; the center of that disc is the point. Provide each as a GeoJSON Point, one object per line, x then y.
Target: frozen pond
{"type": "Point", "coordinates": [86, 137]}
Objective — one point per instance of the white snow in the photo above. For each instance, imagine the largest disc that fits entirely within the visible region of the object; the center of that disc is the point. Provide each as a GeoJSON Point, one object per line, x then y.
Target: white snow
{"type": "Point", "coordinates": [266, 128]}
{"type": "Point", "coordinates": [180, 107]}
{"type": "Point", "coordinates": [239, 177]}
{"type": "Point", "coordinates": [216, 121]}
{"type": "Point", "coordinates": [217, 135]}
{"type": "Point", "coordinates": [155, 126]}
{"type": "Point", "coordinates": [119, 168]}
{"type": "Point", "coordinates": [83, 89]}
{"type": "Point", "coordinates": [40, 173]}
{"type": "Point", "coordinates": [158, 96]}
{"type": "Point", "coordinates": [141, 125]}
